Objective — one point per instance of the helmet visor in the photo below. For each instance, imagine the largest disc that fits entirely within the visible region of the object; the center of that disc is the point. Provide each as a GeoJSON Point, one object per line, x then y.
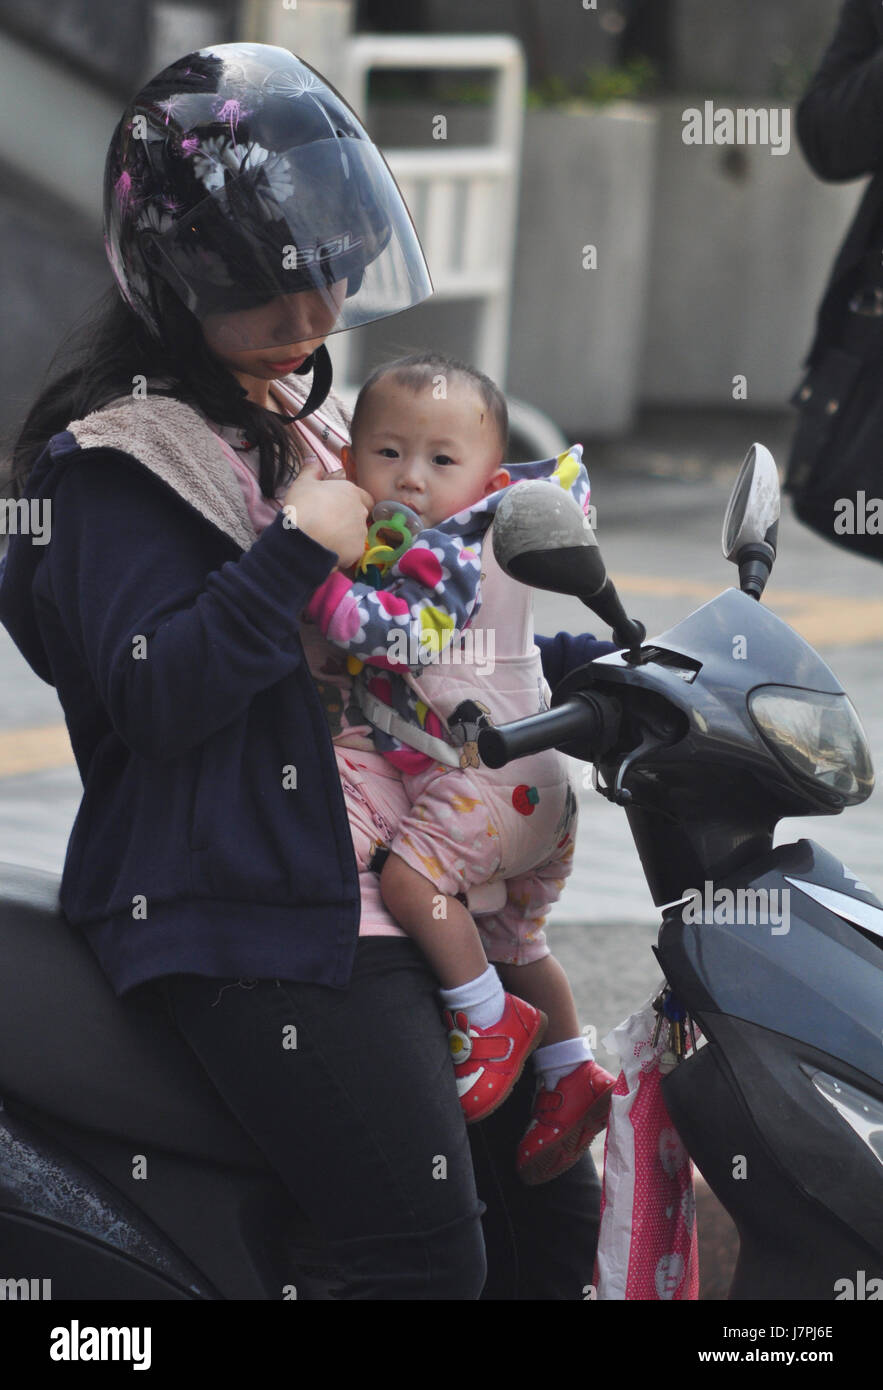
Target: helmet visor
{"type": "Point", "coordinates": [290, 246]}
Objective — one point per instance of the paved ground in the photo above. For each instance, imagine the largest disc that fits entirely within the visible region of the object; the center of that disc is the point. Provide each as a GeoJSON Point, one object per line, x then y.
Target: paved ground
{"type": "Point", "coordinates": [660, 498]}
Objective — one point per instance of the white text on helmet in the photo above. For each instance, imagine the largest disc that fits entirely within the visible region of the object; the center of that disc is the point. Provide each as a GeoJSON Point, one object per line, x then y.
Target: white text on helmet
{"type": "Point", "coordinates": [296, 256]}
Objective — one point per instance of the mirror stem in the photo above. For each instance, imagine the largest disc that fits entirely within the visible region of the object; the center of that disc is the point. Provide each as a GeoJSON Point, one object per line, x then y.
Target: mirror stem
{"type": "Point", "coordinates": [606, 603]}
{"type": "Point", "coordinates": [630, 635]}
{"type": "Point", "coordinates": [755, 566]}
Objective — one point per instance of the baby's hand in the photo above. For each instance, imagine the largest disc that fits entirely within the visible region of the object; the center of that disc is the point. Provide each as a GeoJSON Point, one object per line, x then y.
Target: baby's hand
{"type": "Point", "coordinates": [331, 510]}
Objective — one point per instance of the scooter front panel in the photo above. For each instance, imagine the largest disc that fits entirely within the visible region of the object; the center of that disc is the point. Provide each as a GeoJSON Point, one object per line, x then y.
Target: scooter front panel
{"type": "Point", "coordinates": [805, 972]}
{"type": "Point", "coordinates": [805, 1192]}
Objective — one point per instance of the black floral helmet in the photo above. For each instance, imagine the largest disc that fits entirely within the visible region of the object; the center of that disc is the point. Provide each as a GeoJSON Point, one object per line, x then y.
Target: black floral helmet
{"type": "Point", "coordinates": [242, 180]}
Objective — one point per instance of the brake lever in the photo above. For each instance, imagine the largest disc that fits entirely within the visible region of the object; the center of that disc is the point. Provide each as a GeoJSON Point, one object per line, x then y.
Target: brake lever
{"type": "Point", "coordinates": [618, 794]}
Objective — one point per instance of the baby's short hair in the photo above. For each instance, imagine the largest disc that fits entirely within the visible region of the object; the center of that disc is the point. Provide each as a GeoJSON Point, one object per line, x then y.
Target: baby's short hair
{"type": "Point", "coordinates": [420, 369]}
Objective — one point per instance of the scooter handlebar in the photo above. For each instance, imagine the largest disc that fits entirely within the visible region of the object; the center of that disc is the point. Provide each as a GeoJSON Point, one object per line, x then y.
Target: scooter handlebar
{"type": "Point", "coordinates": [590, 719]}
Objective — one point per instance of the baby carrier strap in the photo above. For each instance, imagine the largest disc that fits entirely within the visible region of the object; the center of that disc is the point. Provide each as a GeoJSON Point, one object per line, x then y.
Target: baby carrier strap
{"type": "Point", "coordinates": [506, 606]}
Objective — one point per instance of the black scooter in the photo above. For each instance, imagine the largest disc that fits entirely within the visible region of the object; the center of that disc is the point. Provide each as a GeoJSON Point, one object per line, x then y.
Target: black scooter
{"type": "Point", "coordinates": [708, 736]}
{"type": "Point", "coordinates": [123, 1176]}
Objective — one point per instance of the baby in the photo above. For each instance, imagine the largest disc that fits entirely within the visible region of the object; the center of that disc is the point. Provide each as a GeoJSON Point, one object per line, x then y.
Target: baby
{"type": "Point", "coordinates": [429, 435]}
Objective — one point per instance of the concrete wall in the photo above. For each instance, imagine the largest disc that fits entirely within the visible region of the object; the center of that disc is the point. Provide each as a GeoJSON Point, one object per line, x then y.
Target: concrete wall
{"type": "Point", "coordinates": [316, 30]}
{"type": "Point", "coordinates": [181, 28]}
{"type": "Point", "coordinates": [742, 244]}
{"type": "Point", "coordinates": [104, 37]}
{"type": "Point", "coordinates": [749, 47]}
{"type": "Point", "coordinates": [66, 70]}
{"type": "Point", "coordinates": [58, 268]}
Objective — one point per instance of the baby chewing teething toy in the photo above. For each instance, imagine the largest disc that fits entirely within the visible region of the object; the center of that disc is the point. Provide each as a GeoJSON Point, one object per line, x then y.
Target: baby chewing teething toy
{"type": "Point", "coordinates": [394, 527]}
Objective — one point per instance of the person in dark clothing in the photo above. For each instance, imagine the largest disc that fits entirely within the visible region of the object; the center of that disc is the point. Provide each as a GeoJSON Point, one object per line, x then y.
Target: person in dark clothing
{"type": "Point", "coordinates": [840, 129]}
{"type": "Point", "coordinates": [834, 462]}
{"type": "Point", "coordinates": [247, 216]}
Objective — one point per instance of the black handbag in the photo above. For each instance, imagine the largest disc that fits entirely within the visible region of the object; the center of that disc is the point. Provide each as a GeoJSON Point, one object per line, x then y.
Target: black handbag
{"type": "Point", "coordinates": [835, 467]}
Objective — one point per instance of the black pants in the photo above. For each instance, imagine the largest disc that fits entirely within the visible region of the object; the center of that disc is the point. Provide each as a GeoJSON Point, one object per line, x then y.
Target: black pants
{"type": "Point", "coordinates": [350, 1095]}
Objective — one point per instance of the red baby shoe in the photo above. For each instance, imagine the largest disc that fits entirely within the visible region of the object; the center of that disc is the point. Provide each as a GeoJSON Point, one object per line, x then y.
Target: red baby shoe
{"type": "Point", "coordinates": [564, 1123]}
{"type": "Point", "coordinates": [489, 1061]}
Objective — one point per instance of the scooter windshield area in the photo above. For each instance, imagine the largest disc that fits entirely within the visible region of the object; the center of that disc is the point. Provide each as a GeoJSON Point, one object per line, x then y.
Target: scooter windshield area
{"type": "Point", "coordinates": [741, 675]}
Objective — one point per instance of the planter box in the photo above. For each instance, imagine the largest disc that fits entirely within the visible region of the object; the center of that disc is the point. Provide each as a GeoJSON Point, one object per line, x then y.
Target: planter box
{"type": "Point", "coordinates": [743, 242]}
{"type": "Point", "coordinates": [577, 333]}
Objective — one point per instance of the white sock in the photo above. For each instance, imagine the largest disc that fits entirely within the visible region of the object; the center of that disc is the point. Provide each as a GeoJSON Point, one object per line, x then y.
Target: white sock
{"type": "Point", "coordinates": [483, 998]}
{"type": "Point", "coordinates": [560, 1059]}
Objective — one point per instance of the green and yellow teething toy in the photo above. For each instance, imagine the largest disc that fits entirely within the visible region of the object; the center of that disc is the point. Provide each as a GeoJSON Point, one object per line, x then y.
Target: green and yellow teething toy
{"type": "Point", "coordinates": [394, 528]}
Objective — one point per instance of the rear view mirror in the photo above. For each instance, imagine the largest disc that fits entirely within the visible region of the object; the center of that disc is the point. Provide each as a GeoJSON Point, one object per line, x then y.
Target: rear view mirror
{"type": "Point", "coordinates": [541, 538]}
{"type": "Point", "coordinates": [751, 522]}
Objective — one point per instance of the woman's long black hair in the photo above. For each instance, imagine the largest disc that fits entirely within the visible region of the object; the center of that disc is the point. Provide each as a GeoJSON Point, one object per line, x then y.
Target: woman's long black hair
{"type": "Point", "coordinates": [109, 353]}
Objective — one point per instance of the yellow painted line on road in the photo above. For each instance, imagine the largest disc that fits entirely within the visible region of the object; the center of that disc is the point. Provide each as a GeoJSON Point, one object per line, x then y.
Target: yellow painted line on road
{"type": "Point", "coordinates": [823, 620]}
{"type": "Point", "coordinates": [32, 750]}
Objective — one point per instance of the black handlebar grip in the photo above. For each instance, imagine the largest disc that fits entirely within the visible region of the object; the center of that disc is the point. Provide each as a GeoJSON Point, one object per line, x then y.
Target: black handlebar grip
{"type": "Point", "coordinates": [580, 718]}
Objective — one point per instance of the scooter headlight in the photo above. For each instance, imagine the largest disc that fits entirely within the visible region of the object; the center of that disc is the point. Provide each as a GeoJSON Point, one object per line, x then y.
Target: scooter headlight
{"type": "Point", "coordinates": [819, 736]}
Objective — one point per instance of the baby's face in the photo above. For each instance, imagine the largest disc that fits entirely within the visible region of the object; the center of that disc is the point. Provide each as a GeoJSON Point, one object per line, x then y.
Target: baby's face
{"type": "Point", "coordinates": [436, 456]}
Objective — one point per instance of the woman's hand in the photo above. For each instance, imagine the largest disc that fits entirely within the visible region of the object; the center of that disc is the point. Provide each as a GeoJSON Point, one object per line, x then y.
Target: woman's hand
{"type": "Point", "coordinates": [330, 510]}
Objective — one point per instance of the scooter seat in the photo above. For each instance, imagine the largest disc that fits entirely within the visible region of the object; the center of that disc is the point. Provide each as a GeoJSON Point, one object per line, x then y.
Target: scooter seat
{"type": "Point", "coordinates": [71, 1049]}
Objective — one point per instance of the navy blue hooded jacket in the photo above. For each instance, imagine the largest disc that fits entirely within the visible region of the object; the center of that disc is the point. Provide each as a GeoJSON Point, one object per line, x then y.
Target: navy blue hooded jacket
{"type": "Point", "coordinates": [212, 835]}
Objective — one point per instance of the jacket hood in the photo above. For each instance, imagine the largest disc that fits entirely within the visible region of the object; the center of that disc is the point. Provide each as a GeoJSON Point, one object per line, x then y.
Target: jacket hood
{"type": "Point", "coordinates": [567, 470]}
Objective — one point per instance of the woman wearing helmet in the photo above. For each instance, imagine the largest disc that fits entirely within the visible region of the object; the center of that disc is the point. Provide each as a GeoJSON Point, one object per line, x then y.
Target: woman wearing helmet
{"type": "Point", "coordinates": [247, 217]}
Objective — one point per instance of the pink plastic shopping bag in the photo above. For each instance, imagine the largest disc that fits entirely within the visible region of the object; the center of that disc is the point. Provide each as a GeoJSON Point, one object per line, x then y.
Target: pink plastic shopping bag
{"type": "Point", "coordinates": [647, 1245]}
